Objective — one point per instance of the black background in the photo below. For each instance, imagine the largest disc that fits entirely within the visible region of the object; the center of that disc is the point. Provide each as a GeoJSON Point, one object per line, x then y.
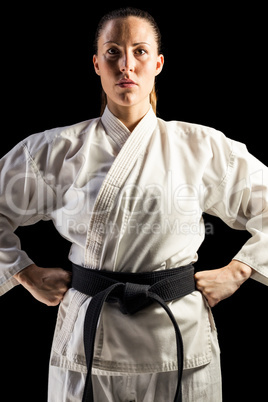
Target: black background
{"type": "Point", "coordinates": [214, 74]}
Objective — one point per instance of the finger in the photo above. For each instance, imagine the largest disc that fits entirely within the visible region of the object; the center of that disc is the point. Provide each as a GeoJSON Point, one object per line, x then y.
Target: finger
{"type": "Point", "coordinates": [66, 276]}
{"type": "Point", "coordinates": [199, 284]}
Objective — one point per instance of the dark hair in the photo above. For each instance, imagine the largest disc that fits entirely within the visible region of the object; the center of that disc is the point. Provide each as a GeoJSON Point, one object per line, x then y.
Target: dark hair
{"type": "Point", "coordinates": [124, 13]}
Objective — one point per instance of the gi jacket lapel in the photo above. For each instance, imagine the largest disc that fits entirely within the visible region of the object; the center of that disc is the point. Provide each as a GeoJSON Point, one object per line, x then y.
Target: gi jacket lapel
{"type": "Point", "coordinates": [132, 147]}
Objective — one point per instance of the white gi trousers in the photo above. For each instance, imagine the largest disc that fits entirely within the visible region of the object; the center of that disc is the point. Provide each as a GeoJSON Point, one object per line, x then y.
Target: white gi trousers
{"type": "Point", "coordinates": [200, 384]}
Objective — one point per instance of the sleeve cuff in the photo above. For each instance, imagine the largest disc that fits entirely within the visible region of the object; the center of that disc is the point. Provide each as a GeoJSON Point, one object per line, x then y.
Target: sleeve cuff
{"type": "Point", "coordinates": [8, 285]}
{"type": "Point", "coordinates": [259, 275]}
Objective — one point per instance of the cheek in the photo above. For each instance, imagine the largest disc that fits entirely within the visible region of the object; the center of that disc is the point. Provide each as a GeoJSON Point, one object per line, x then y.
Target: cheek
{"type": "Point", "coordinates": [148, 68]}
{"type": "Point", "coordinates": [106, 74]}
{"type": "Point", "coordinates": [108, 66]}
{"type": "Point", "coordinates": [105, 70]}
{"type": "Point", "coordinates": [148, 73]}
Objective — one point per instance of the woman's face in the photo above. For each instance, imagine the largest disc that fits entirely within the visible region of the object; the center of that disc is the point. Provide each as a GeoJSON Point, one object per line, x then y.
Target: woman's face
{"type": "Point", "coordinates": [127, 61]}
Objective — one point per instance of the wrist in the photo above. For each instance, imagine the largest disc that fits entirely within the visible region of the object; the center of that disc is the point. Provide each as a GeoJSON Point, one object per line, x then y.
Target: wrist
{"type": "Point", "coordinates": [24, 277]}
{"type": "Point", "coordinates": [241, 271]}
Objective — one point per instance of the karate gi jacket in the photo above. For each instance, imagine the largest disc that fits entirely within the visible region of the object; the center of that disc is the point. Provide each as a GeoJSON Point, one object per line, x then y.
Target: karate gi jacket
{"type": "Point", "coordinates": [132, 202]}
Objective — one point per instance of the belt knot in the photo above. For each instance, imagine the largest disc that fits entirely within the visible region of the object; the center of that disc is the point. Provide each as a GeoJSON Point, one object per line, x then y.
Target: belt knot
{"type": "Point", "coordinates": [135, 297]}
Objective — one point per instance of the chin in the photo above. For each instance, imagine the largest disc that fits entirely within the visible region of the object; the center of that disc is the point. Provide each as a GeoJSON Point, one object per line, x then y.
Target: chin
{"type": "Point", "coordinates": [129, 99]}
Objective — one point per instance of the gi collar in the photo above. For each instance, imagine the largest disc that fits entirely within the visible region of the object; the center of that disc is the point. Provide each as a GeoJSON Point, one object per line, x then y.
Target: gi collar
{"type": "Point", "coordinates": [119, 132]}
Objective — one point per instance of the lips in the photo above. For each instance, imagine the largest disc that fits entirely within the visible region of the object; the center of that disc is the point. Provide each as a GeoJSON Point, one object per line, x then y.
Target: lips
{"type": "Point", "coordinates": [126, 83]}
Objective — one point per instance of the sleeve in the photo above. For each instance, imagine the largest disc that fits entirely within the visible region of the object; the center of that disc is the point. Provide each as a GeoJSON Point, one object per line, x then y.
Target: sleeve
{"type": "Point", "coordinates": [241, 201]}
{"type": "Point", "coordinates": [24, 199]}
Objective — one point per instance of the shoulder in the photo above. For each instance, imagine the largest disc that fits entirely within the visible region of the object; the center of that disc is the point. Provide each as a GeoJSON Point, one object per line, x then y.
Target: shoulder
{"type": "Point", "coordinates": [196, 136]}
{"type": "Point", "coordinates": [72, 134]}
{"type": "Point", "coordinates": [191, 131]}
{"type": "Point", "coordinates": [50, 149]}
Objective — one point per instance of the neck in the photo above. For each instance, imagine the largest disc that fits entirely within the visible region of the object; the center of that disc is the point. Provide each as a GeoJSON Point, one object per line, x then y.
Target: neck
{"type": "Point", "coordinates": [130, 116]}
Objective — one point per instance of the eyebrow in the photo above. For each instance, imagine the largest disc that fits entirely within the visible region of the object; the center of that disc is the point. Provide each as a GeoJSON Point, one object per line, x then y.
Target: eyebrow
{"type": "Point", "coordinates": [134, 44]}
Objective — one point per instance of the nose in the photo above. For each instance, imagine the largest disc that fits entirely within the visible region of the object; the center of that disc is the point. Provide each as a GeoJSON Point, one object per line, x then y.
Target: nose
{"type": "Point", "coordinates": [127, 63]}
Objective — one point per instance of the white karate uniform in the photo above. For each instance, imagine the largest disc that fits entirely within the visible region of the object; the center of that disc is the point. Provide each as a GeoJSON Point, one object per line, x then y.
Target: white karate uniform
{"type": "Point", "coordinates": [133, 202]}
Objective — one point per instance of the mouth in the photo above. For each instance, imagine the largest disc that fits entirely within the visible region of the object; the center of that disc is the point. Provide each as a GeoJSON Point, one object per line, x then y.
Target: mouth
{"type": "Point", "coordinates": [126, 83]}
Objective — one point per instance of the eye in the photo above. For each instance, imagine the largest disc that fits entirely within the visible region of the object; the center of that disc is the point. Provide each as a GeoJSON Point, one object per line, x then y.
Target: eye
{"type": "Point", "coordinates": [112, 51]}
{"type": "Point", "coordinates": [140, 52]}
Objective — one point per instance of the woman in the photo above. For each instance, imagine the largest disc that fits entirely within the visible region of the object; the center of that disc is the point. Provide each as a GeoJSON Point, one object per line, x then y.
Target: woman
{"type": "Point", "coordinates": [128, 190]}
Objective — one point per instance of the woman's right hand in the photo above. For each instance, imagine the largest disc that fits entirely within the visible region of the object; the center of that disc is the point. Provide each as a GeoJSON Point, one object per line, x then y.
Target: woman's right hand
{"type": "Point", "coordinates": [47, 285]}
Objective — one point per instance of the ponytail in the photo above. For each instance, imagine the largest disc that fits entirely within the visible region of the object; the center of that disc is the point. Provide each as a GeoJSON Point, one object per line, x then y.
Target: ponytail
{"type": "Point", "coordinates": [153, 99]}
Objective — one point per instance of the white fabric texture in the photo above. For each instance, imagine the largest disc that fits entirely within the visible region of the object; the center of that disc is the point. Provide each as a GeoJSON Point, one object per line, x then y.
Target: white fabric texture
{"type": "Point", "coordinates": [132, 202]}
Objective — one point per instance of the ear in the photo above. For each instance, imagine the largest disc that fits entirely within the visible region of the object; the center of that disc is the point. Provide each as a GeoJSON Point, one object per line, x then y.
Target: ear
{"type": "Point", "coordinates": [96, 64]}
{"type": "Point", "coordinates": [159, 64]}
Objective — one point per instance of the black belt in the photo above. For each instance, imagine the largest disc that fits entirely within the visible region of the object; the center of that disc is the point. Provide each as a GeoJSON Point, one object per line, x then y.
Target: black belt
{"type": "Point", "coordinates": [134, 291]}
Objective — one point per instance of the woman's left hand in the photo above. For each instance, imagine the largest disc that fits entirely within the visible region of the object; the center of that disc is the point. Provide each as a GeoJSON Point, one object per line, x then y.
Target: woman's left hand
{"type": "Point", "coordinates": [218, 284]}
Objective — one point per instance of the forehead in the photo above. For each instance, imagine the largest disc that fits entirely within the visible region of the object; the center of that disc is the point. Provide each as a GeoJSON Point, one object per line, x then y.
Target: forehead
{"type": "Point", "coordinates": [130, 29]}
